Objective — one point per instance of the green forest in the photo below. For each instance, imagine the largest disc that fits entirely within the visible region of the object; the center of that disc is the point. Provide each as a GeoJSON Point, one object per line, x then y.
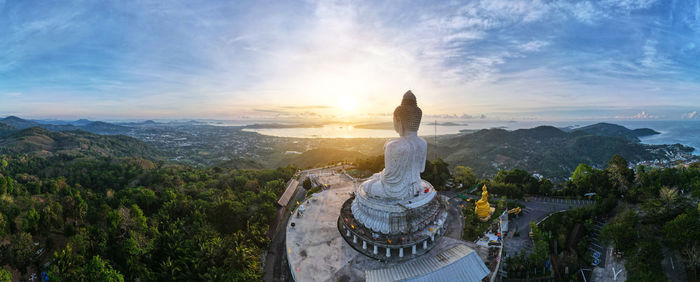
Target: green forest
{"type": "Point", "coordinates": [652, 212]}
{"type": "Point", "coordinates": [91, 218]}
{"type": "Point", "coordinates": [129, 219]}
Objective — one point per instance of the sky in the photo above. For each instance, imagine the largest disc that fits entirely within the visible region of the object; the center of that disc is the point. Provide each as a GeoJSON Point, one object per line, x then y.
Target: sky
{"type": "Point", "coordinates": [490, 59]}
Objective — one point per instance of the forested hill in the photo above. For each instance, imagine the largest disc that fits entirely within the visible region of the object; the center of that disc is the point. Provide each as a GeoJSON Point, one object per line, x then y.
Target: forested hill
{"type": "Point", "coordinates": [6, 129]}
{"type": "Point", "coordinates": [548, 150]}
{"type": "Point", "coordinates": [17, 122]}
{"type": "Point", "coordinates": [98, 127]}
{"type": "Point", "coordinates": [42, 142]}
{"type": "Point", "coordinates": [614, 130]}
{"type": "Point", "coordinates": [129, 219]}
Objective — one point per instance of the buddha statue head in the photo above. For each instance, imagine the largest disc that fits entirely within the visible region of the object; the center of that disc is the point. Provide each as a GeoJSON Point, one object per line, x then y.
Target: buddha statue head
{"type": "Point", "coordinates": [407, 115]}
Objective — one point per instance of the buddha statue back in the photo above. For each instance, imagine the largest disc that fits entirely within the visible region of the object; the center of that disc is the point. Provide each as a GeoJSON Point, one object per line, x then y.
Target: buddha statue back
{"type": "Point", "coordinates": [404, 157]}
{"type": "Point", "coordinates": [398, 187]}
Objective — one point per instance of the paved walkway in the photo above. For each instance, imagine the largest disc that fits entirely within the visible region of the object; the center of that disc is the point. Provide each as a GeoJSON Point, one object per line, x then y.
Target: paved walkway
{"type": "Point", "coordinates": [276, 267]}
{"type": "Point", "coordinates": [612, 266]}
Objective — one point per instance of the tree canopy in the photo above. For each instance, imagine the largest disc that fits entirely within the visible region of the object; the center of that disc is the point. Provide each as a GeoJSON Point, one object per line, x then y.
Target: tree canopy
{"type": "Point", "coordinates": [125, 221]}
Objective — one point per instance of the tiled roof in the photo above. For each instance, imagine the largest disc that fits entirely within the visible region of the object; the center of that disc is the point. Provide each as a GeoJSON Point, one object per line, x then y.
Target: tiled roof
{"type": "Point", "coordinates": [288, 193]}
{"type": "Point", "coordinates": [460, 263]}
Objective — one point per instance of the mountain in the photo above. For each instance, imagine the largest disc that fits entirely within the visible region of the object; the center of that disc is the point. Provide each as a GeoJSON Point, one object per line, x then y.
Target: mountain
{"type": "Point", "coordinates": [641, 132]}
{"type": "Point", "coordinates": [148, 122]}
{"type": "Point", "coordinates": [548, 150]}
{"type": "Point", "coordinates": [52, 121]}
{"type": "Point", "coordinates": [40, 141]}
{"type": "Point", "coordinates": [101, 127]}
{"type": "Point", "coordinates": [614, 130]}
{"type": "Point", "coordinates": [81, 122]}
{"type": "Point", "coordinates": [17, 122]}
{"type": "Point", "coordinates": [98, 127]}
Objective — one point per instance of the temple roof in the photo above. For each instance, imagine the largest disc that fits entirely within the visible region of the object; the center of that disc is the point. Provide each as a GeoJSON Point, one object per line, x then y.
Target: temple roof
{"type": "Point", "coordinates": [459, 263]}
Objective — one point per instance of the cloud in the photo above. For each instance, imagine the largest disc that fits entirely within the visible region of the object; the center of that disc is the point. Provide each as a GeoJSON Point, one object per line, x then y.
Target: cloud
{"type": "Point", "coordinates": [454, 116]}
{"type": "Point", "coordinates": [294, 112]}
{"type": "Point", "coordinates": [534, 45]}
{"type": "Point", "coordinates": [269, 111]}
{"type": "Point", "coordinates": [652, 59]}
{"type": "Point", "coordinates": [629, 5]}
{"type": "Point", "coordinates": [467, 116]}
{"type": "Point", "coordinates": [691, 115]}
{"type": "Point", "coordinates": [641, 115]}
{"type": "Point", "coordinates": [218, 57]}
{"type": "Point", "coordinates": [306, 107]}
{"type": "Point", "coordinates": [585, 12]}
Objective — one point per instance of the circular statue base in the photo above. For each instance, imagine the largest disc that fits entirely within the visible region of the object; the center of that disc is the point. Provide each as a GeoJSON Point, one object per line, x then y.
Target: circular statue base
{"type": "Point", "coordinates": [430, 217]}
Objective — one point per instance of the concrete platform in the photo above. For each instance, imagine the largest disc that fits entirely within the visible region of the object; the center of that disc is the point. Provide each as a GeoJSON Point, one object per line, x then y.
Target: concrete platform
{"type": "Point", "coordinates": [317, 252]}
{"type": "Point", "coordinates": [315, 249]}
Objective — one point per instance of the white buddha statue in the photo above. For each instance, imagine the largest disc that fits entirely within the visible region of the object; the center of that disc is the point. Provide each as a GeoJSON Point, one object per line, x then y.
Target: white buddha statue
{"type": "Point", "coordinates": [383, 202]}
{"type": "Point", "coordinates": [404, 157]}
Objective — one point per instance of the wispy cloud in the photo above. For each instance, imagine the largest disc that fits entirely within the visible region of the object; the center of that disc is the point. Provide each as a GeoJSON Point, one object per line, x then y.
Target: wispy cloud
{"type": "Point", "coordinates": [309, 107]}
{"type": "Point", "coordinates": [641, 115]}
{"type": "Point", "coordinates": [454, 116]}
{"type": "Point", "coordinates": [534, 45]}
{"type": "Point", "coordinates": [213, 58]}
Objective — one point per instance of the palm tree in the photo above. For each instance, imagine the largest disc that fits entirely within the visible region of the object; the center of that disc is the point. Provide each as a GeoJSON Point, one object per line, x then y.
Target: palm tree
{"type": "Point", "coordinates": [668, 197]}
{"type": "Point", "coordinates": [692, 254]}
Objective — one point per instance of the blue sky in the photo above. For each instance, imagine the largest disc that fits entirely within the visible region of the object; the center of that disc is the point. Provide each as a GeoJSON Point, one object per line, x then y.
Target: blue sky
{"type": "Point", "coordinates": [527, 60]}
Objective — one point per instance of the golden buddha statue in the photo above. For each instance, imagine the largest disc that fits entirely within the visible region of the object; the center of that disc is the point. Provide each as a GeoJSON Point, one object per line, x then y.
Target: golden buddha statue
{"type": "Point", "coordinates": [483, 209]}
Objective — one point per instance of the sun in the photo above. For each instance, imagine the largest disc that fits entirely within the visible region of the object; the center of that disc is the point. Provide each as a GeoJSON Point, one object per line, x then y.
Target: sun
{"type": "Point", "coordinates": [347, 103]}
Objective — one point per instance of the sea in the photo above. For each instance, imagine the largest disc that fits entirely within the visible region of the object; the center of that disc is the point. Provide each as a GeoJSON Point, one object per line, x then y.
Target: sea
{"type": "Point", "coordinates": [686, 132]}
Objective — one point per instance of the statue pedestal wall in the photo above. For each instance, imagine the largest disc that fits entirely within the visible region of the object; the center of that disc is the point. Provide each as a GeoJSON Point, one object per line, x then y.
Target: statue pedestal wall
{"type": "Point", "coordinates": [393, 230]}
{"type": "Point", "coordinates": [396, 216]}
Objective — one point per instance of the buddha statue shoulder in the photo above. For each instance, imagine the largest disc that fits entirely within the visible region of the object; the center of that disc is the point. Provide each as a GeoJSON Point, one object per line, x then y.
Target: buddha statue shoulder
{"type": "Point", "coordinates": [484, 194]}
{"type": "Point", "coordinates": [404, 157]}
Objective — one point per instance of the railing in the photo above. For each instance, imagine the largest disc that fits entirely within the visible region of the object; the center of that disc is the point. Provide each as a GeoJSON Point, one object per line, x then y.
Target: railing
{"type": "Point", "coordinates": [564, 201]}
{"type": "Point", "coordinates": [500, 250]}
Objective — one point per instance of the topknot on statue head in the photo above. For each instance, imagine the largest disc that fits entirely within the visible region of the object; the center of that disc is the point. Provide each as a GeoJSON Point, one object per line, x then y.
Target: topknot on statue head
{"type": "Point", "coordinates": [408, 113]}
{"type": "Point", "coordinates": [409, 99]}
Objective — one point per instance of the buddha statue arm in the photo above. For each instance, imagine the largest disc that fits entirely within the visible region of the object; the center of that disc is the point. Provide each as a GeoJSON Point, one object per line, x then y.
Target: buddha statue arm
{"type": "Point", "coordinates": [424, 151]}
{"type": "Point", "coordinates": [395, 158]}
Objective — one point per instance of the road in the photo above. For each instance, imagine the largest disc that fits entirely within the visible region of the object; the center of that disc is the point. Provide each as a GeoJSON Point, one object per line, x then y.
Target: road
{"type": "Point", "coordinates": [276, 267]}
{"type": "Point", "coordinates": [536, 209]}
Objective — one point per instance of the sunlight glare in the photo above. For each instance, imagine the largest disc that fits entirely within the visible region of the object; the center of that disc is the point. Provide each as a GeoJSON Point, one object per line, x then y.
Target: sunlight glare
{"type": "Point", "coordinates": [347, 103]}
